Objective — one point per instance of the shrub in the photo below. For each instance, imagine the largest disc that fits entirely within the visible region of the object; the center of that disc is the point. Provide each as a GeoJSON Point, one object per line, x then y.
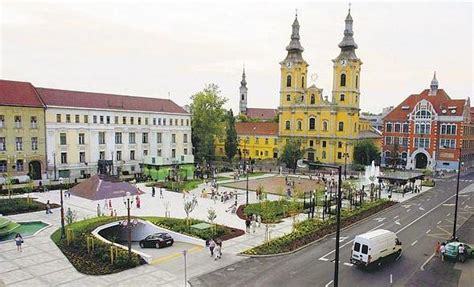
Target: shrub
{"type": "Point", "coordinates": [20, 205]}
{"type": "Point", "coordinates": [358, 167]}
{"type": "Point", "coordinates": [428, 182]}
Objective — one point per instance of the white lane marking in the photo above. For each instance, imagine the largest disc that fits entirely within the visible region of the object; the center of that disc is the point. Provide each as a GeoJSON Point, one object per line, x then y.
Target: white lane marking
{"type": "Point", "coordinates": [391, 278]}
{"type": "Point", "coordinates": [438, 222]}
{"type": "Point", "coordinates": [348, 264]}
{"type": "Point", "coordinates": [428, 231]}
{"type": "Point", "coordinates": [395, 217]}
{"type": "Point", "coordinates": [422, 268]}
{"type": "Point", "coordinates": [408, 210]}
{"type": "Point", "coordinates": [379, 219]}
{"type": "Point", "coordinates": [323, 259]}
{"type": "Point", "coordinates": [447, 215]}
{"type": "Point", "coordinates": [414, 242]}
{"type": "Point", "coordinates": [428, 199]}
{"type": "Point", "coordinates": [329, 283]}
{"type": "Point", "coordinates": [421, 208]}
{"type": "Point", "coordinates": [397, 222]}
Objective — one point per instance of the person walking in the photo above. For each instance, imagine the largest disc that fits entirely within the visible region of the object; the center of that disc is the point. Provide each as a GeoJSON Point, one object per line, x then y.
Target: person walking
{"type": "Point", "coordinates": [259, 220]}
{"type": "Point", "coordinates": [115, 213]}
{"type": "Point", "coordinates": [110, 204]}
{"type": "Point", "coordinates": [217, 251]}
{"type": "Point", "coordinates": [442, 250]}
{"type": "Point", "coordinates": [247, 224]}
{"type": "Point", "coordinates": [461, 253]}
{"type": "Point", "coordinates": [253, 223]}
{"type": "Point", "coordinates": [18, 242]}
{"type": "Point", "coordinates": [98, 209]}
{"type": "Point", "coordinates": [437, 249]}
{"type": "Point", "coordinates": [137, 198]}
{"type": "Point", "coordinates": [48, 208]}
{"type": "Point", "coordinates": [152, 191]}
{"type": "Point", "coordinates": [212, 245]}
{"type": "Point", "coordinates": [161, 192]}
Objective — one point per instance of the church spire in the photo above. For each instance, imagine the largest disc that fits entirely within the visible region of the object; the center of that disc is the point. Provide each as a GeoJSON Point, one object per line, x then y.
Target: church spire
{"type": "Point", "coordinates": [294, 48]}
{"type": "Point", "coordinates": [434, 85]}
{"type": "Point", "coordinates": [243, 83]}
{"type": "Point", "coordinates": [348, 44]}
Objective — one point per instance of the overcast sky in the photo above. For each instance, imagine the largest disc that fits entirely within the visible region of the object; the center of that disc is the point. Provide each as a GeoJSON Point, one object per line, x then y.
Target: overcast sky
{"type": "Point", "coordinates": [157, 48]}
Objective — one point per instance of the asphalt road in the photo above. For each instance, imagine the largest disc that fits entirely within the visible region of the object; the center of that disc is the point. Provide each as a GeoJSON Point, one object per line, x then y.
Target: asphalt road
{"type": "Point", "coordinates": [418, 222]}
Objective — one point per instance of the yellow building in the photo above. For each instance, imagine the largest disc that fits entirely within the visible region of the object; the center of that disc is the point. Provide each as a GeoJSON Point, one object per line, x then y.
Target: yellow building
{"type": "Point", "coordinates": [327, 128]}
{"type": "Point", "coordinates": [257, 140]}
{"type": "Point", "coordinates": [22, 131]}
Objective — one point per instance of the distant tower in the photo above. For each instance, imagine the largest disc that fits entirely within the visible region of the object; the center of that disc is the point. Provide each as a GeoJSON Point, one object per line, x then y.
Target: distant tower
{"type": "Point", "coordinates": [243, 95]}
{"type": "Point", "coordinates": [434, 86]}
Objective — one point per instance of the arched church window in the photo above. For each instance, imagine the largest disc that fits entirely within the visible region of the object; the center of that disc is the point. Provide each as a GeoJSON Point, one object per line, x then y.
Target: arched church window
{"type": "Point", "coordinates": [287, 125]}
{"type": "Point", "coordinates": [357, 81]}
{"type": "Point", "coordinates": [288, 81]}
{"type": "Point", "coordinates": [323, 154]}
{"type": "Point", "coordinates": [288, 98]}
{"type": "Point", "coordinates": [299, 125]}
{"type": "Point", "coordinates": [243, 97]}
{"type": "Point", "coordinates": [342, 98]}
{"type": "Point", "coordinates": [312, 123]}
{"type": "Point", "coordinates": [325, 126]}
{"type": "Point", "coordinates": [341, 126]}
{"type": "Point", "coordinates": [343, 80]}
{"type": "Point", "coordinates": [313, 99]}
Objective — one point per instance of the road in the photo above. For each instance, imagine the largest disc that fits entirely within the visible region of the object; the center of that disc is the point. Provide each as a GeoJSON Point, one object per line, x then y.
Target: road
{"type": "Point", "coordinates": [418, 222]}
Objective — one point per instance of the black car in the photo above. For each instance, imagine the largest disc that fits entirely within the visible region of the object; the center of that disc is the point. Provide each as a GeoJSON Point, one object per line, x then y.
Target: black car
{"type": "Point", "coordinates": [157, 240]}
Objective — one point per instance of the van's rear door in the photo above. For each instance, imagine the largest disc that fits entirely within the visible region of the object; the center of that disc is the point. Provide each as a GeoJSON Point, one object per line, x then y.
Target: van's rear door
{"type": "Point", "coordinates": [360, 253]}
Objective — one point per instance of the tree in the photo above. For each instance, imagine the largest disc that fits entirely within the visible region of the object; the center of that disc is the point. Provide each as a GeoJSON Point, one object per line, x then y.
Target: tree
{"type": "Point", "coordinates": [212, 215]}
{"type": "Point", "coordinates": [9, 185]}
{"type": "Point", "coordinates": [188, 208]}
{"type": "Point", "coordinates": [231, 143]}
{"type": "Point", "coordinates": [365, 152]}
{"type": "Point", "coordinates": [291, 154]}
{"type": "Point", "coordinates": [208, 121]}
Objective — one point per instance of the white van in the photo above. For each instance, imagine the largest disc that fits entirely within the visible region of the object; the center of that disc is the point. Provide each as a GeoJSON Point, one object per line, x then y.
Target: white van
{"type": "Point", "coordinates": [374, 247]}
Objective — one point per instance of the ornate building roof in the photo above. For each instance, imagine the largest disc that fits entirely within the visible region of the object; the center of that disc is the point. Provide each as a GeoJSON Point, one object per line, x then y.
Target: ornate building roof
{"type": "Point", "coordinates": [294, 48]}
{"type": "Point", "coordinates": [348, 45]}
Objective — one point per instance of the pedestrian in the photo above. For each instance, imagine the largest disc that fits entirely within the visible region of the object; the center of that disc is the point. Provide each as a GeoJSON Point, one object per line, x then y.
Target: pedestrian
{"type": "Point", "coordinates": [212, 245]}
{"type": "Point", "coordinates": [254, 224]}
{"type": "Point", "coordinates": [247, 224]}
{"type": "Point", "coordinates": [137, 198]}
{"type": "Point", "coordinates": [98, 209]}
{"type": "Point", "coordinates": [48, 208]}
{"type": "Point", "coordinates": [442, 250]}
{"type": "Point", "coordinates": [18, 242]}
{"type": "Point", "coordinates": [161, 192]}
{"type": "Point", "coordinates": [217, 252]}
{"type": "Point", "coordinates": [152, 191]}
{"type": "Point", "coordinates": [110, 204]}
{"type": "Point", "coordinates": [111, 213]}
{"type": "Point", "coordinates": [259, 220]}
{"type": "Point", "coordinates": [437, 248]}
{"type": "Point", "coordinates": [115, 213]}
{"type": "Point", "coordinates": [461, 253]}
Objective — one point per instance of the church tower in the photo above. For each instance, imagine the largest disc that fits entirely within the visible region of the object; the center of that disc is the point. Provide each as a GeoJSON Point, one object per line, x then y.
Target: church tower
{"type": "Point", "coordinates": [346, 70]}
{"type": "Point", "coordinates": [243, 95]}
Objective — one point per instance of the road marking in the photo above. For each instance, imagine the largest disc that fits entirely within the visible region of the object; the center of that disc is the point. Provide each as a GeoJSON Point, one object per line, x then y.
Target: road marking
{"type": "Point", "coordinates": [414, 242]}
{"type": "Point", "coordinates": [447, 215]}
{"type": "Point", "coordinates": [448, 204]}
{"type": "Point", "coordinates": [408, 210]}
{"type": "Point", "coordinates": [422, 268]}
{"type": "Point", "coordinates": [428, 231]}
{"type": "Point", "coordinates": [438, 222]}
{"type": "Point", "coordinates": [421, 208]}
{"type": "Point", "coordinates": [391, 278]}
{"type": "Point", "coordinates": [397, 222]}
{"type": "Point", "coordinates": [323, 259]}
{"type": "Point", "coordinates": [342, 238]}
{"type": "Point", "coordinates": [330, 282]}
{"type": "Point", "coordinates": [396, 217]}
{"type": "Point", "coordinates": [379, 219]}
{"type": "Point", "coordinates": [348, 264]}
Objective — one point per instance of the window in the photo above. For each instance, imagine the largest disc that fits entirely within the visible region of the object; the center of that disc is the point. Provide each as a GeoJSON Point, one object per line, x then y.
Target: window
{"type": "Point", "coordinates": [182, 121]}
{"type": "Point", "coordinates": [164, 121]}
{"type": "Point", "coordinates": [3, 166]}
{"type": "Point", "coordinates": [17, 122]}
{"type": "Point", "coordinates": [365, 249]}
{"type": "Point", "coordinates": [288, 81]}
{"type": "Point", "coordinates": [388, 127]}
{"type": "Point", "coordinates": [62, 139]}
{"type": "Point", "coordinates": [187, 122]}
{"type": "Point", "coordinates": [116, 120]}
{"type": "Point", "coordinates": [342, 97]}
{"type": "Point", "coordinates": [405, 128]}
{"type": "Point", "coordinates": [101, 119]}
{"type": "Point", "coordinates": [257, 140]}
{"type": "Point", "coordinates": [107, 119]}
{"type": "Point", "coordinates": [422, 128]}
{"type": "Point", "coordinates": [34, 143]}
{"type": "Point", "coordinates": [275, 141]}
{"type": "Point", "coordinates": [146, 121]}
{"type": "Point", "coordinates": [323, 154]}
{"type": "Point", "coordinates": [63, 157]}
{"type": "Point", "coordinates": [132, 155]}
{"type": "Point", "coordinates": [101, 137]}
{"type": "Point", "coordinates": [448, 129]}
{"type": "Point", "coordinates": [302, 82]}
{"type": "Point", "coordinates": [357, 247]}
{"type": "Point", "coordinates": [77, 120]}
{"type": "Point", "coordinates": [19, 165]}
{"type": "Point", "coordinates": [266, 141]}
{"type": "Point", "coordinates": [299, 125]}
{"type": "Point", "coordinates": [173, 153]}
{"type": "Point", "coordinates": [357, 81]}
{"type": "Point", "coordinates": [339, 144]}
{"type": "Point", "coordinates": [323, 143]}
{"type": "Point", "coordinates": [3, 145]}
{"type": "Point", "coordinates": [145, 138]}
{"type": "Point", "coordinates": [242, 97]}
{"type": "Point", "coordinates": [158, 138]}
{"type": "Point", "coordinates": [388, 140]}
{"type": "Point", "coordinates": [118, 155]}
{"type": "Point", "coordinates": [102, 155]}
{"type": "Point", "coordinates": [404, 142]}
{"type": "Point", "coordinates": [185, 138]}
{"type": "Point", "coordinates": [175, 122]}
{"type": "Point", "coordinates": [131, 138]}
{"type": "Point", "coordinates": [94, 119]}
{"type": "Point", "coordinates": [154, 121]}
{"type": "Point", "coordinates": [2, 121]}
{"type": "Point", "coordinates": [158, 152]}
{"type": "Point", "coordinates": [124, 120]}
{"type": "Point", "coordinates": [145, 152]}
{"type": "Point", "coordinates": [288, 98]}
{"type": "Point", "coordinates": [341, 126]}
{"type": "Point", "coordinates": [423, 114]}
{"type": "Point", "coordinates": [139, 120]}
{"type": "Point", "coordinates": [339, 155]}
{"type": "Point", "coordinates": [86, 119]}
{"type": "Point", "coordinates": [422, 143]}
{"type": "Point", "coordinates": [325, 126]}
{"type": "Point", "coordinates": [82, 157]}
{"type": "Point", "coordinates": [131, 120]}
{"type": "Point", "coordinates": [343, 80]}
{"type": "Point", "coordinates": [185, 151]}
{"type": "Point", "coordinates": [118, 138]}
{"type": "Point", "coordinates": [313, 99]}
{"type": "Point", "coordinates": [287, 125]}
{"type": "Point", "coordinates": [311, 142]}
{"type": "Point", "coordinates": [34, 122]}
{"type": "Point", "coordinates": [312, 123]}
{"type": "Point", "coordinates": [81, 138]}
{"type": "Point", "coordinates": [447, 143]}
{"type": "Point", "coordinates": [173, 138]}
{"type": "Point", "coordinates": [68, 118]}
{"type": "Point", "coordinates": [397, 127]}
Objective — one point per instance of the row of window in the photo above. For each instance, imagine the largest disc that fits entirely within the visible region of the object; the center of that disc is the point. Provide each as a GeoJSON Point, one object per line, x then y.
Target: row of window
{"type": "Point", "coordinates": [257, 140]}
{"type": "Point", "coordinates": [448, 129]}
{"type": "Point", "coordinates": [396, 127]}
{"type": "Point", "coordinates": [312, 125]}
{"type": "Point", "coordinates": [118, 138]}
{"type": "Point", "coordinates": [18, 123]}
{"type": "Point", "coordinates": [419, 142]}
{"type": "Point", "coordinates": [18, 143]}
{"type": "Point", "coordinates": [19, 165]}
{"type": "Point", "coordinates": [130, 120]}
{"type": "Point", "coordinates": [420, 128]}
{"type": "Point", "coordinates": [118, 155]}
{"type": "Point", "coordinates": [342, 81]}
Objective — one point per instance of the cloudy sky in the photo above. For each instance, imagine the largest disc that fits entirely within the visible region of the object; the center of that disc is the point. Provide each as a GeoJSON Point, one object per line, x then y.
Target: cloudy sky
{"type": "Point", "coordinates": [173, 48]}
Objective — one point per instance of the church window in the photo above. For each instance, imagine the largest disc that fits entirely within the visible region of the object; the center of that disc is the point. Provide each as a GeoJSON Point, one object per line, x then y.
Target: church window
{"type": "Point", "coordinates": [313, 99]}
{"type": "Point", "coordinates": [343, 80]}
{"type": "Point", "coordinates": [243, 97]}
{"type": "Point", "coordinates": [302, 98]}
{"type": "Point", "coordinates": [288, 98]}
{"type": "Point", "coordinates": [341, 126]}
{"type": "Point", "coordinates": [355, 127]}
{"type": "Point", "coordinates": [302, 82]}
{"type": "Point", "coordinates": [357, 81]}
{"type": "Point", "coordinates": [312, 123]}
{"type": "Point", "coordinates": [342, 97]}
{"type": "Point", "coordinates": [323, 154]}
{"type": "Point", "coordinates": [288, 81]}
{"type": "Point", "coordinates": [287, 125]}
{"type": "Point", "coordinates": [299, 125]}
{"type": "Point", "coordinates": [325, 126]}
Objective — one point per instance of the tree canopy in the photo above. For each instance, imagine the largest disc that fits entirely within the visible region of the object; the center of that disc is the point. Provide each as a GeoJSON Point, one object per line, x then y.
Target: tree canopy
{"type": "Point", "coordinates": [365, 152]}
{"type": "Point", "coordinates": [208, 117]}
{"type": "Point", "coordinates": [292, 152]}
{"type": "Point", "coordinates": [231, 143]}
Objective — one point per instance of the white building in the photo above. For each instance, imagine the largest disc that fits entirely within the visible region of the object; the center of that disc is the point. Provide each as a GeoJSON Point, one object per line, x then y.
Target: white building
{"type": "Point", "coordinates": [83, 128]}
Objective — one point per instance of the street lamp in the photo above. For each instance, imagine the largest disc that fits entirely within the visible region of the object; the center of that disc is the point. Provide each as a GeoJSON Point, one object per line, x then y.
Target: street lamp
{"type": "Point", "coordinates": [338, 214]}
{"type": "Point", "coordinates": [128, 201]}
{"type": "Point", "coordinates": [63, 233]}
{"type": "Point", "coordinates": [457, 190]}
{"type": "Point", "coordinates": [346, 156]}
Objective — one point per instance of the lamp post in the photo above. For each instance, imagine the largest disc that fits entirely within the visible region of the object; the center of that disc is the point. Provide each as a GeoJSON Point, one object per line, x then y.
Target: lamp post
{"type": "Point", "coordinates": [457, 189]}
{"type": "Point", "coordinates": [54, 163]}
{"type": "Point", "coordinates": [63, 233]}
{"type": "Point", "coordinates": [338, 215]}
{"type": "Point", "coordinates": [128, 201]}
{"type": "Point", "coordinates": [346, 156]}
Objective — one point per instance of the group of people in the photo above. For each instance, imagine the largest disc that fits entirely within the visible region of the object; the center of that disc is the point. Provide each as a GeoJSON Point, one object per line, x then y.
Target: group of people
{"type": "Point", "coordinates": [153, 191]}
{"type": "Point", "coordinates": [215, 247]}
{"type": "Point", "coordinates": [440, 250]}
{"type": "Point", "coordinates": [252, 222]}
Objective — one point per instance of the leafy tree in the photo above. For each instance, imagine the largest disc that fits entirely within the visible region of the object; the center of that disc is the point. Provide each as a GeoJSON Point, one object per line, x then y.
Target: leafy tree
{"type": "Point", "coordinates": [208, 117]}
{"type": "Point", "coordinates": [212, 215]}
{"type": "Point", "coordinates": [231, 143]}
{"type": "Point", "coordinates": [365, 152]}
{"type": "Point", "coordinates": [292, 152]}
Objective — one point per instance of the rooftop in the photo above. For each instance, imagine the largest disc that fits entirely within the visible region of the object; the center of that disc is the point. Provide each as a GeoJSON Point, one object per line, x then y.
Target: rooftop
{"type": "Point", "coordinates": [21, 94]}
{"type": "Point", "coordinates": [260, 128]}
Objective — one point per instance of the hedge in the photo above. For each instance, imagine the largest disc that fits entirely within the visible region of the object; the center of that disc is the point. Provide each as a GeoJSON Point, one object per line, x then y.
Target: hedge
{"type": "Point", "coordinates": [20, 205]}
{"type": "Point", "coordinates": [310, 230]}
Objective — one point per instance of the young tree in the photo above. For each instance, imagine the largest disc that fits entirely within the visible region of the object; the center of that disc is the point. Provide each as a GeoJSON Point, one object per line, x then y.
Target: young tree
{"type": "Point", "coordinates": [365, 152]}
{"type": "Point", "coordinates": [208, 117]}
{"type": "Point", "coordinates": [231, 143]}
{"type": "Point", "coordinates": [188, 208]}
{"type": "Point", "coordinates": [212, 215]}
{"type": "Point", "coordinates": [292, 153]}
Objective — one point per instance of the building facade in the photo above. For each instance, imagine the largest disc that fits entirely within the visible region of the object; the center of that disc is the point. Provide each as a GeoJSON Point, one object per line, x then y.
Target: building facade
{"type": "Point", "coordinates": [326, 128]}
{"type": "Point", "coordinates": [22, 131]}
{"type": "Point", "coordinates": [427, 130]}
{"type": "Point", "coordinates": [133, 133]}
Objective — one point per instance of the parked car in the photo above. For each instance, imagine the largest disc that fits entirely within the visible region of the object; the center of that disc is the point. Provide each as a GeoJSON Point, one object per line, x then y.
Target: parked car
{"type": "Point", "coordinates": [375, 247]}
{"type": "Point", "coordinates": [452, 250]}
{"type": "Point", "coordinates": [157, 240]}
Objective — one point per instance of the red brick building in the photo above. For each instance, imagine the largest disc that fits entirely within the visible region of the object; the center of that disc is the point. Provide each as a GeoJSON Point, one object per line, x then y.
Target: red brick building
{"type": "Point", "coordinates": [427, 130]}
